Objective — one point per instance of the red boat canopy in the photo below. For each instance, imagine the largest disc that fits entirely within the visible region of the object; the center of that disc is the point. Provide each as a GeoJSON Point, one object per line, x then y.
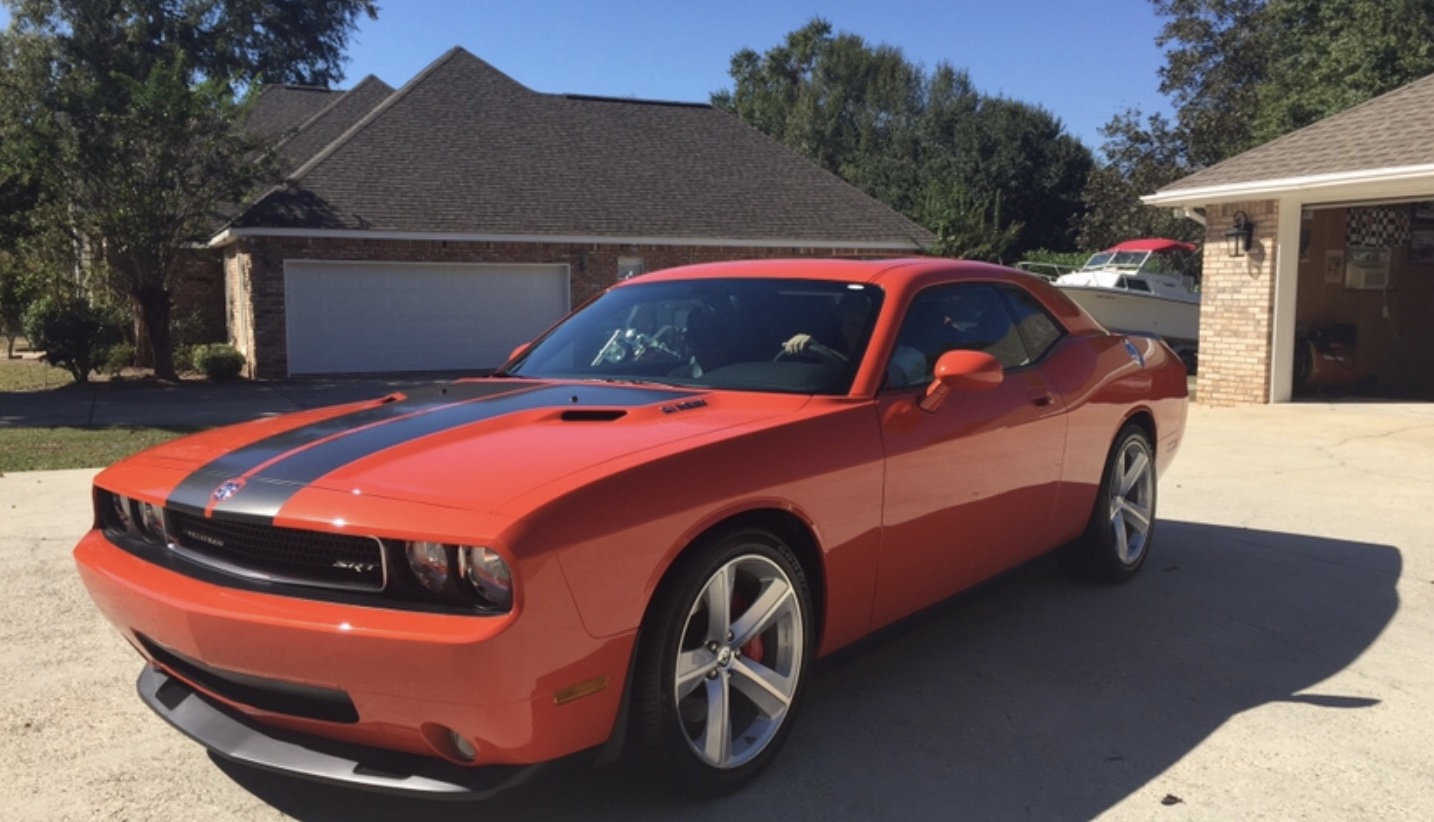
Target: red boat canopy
{"type": "Point", "coordinates": [1154, 244]}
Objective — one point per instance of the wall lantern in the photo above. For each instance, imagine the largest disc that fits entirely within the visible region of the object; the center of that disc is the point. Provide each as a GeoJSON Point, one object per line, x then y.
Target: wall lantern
{"type": "Point", "coordinates": [1237, 239]}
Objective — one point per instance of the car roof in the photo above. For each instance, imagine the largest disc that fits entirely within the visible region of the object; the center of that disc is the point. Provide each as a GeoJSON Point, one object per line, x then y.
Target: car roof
{"type": "Point", "coordinates": [900, 276]}
{"type": "Point", "coordinates": [885, 271]}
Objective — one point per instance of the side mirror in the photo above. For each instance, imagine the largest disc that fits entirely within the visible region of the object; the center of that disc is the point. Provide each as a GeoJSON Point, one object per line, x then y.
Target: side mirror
{"type": "Point", "coordinates": [961, 371]}
{"type": "Point", "coordinates": [518, 352]}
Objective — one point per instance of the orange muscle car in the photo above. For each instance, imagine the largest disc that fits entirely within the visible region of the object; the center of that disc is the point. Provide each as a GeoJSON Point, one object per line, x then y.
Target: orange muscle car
{"type": "Point", "coordinates": [636, 536]}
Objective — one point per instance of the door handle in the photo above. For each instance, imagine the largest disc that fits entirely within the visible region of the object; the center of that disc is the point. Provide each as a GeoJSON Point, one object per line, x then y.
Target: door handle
{"type": "Point", "coordinates": [1041, 398]}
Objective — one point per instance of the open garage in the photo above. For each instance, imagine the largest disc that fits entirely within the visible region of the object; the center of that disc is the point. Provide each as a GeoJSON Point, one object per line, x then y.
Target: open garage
{"type": "Point", "coordinates": [1318, 273]}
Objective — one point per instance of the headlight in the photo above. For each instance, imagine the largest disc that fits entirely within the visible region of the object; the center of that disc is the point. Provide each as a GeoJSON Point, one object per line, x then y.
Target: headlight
{"type": "Point", "coordinates": [122, 511]}
{"type": "Point", "coordinates": [461, 575]}
{"type": "Point", "coordinates": [429, 563]}
{"type": "Point", "coordinates": [488, 573]}
{"type": "Point", "coordinates": [151, 518]}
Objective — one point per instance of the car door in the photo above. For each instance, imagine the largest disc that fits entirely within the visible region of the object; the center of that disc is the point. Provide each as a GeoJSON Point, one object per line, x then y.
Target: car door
{"type": "Point", "coordinates": [969, 488]}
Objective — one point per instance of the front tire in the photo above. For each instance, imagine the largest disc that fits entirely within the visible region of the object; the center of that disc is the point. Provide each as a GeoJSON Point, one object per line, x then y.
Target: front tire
{"type": "Point", "coordinates": [1117, 538]}
{"type": "Point", "coordinates": [723, 662]}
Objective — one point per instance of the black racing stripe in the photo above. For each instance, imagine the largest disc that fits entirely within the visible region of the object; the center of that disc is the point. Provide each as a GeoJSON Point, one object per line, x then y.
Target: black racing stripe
{"type": "Point", "coordinates": [192, 494]}
{"type": "Point", "coordinates": [266, 492]}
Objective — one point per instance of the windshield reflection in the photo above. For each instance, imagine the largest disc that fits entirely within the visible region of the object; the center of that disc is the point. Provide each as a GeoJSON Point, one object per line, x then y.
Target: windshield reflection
{"type": "Point", "coordinates": [789, 336]}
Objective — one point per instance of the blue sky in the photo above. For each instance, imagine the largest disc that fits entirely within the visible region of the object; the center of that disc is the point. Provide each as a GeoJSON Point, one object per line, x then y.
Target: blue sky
{"type": "Point", "coordinates": [1082, 60]}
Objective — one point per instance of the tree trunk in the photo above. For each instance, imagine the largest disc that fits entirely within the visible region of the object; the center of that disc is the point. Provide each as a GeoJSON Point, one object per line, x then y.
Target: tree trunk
{"type": "Point", "coordinates": [154, 307]}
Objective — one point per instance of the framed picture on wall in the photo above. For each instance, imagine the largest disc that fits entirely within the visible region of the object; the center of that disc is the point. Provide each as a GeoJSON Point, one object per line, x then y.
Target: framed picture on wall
{"type": "Point", "coordinates": [1334, 266]}
{"type": "Point", "coordinates": [1421, 246]}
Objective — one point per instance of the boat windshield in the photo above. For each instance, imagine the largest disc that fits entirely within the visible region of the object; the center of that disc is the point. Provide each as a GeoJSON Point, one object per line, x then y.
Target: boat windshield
{"type": "Point", "coordinates": [1145, 262]}
{"type": "Point", "coordinates": [1128, 260]}
{"type": "Point", "coordinates": [1099, 260]}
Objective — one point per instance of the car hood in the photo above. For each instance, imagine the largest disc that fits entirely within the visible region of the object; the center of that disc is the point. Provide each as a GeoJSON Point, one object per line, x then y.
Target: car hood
{"type": "Point", "coordinates": [469, 445]}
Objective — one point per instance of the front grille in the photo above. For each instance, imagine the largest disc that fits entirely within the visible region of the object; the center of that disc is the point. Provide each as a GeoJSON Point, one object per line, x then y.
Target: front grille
{"type": "Point", "coordinates": [286, 555]}
{"type": "Point", "coordinates": [266, 694]}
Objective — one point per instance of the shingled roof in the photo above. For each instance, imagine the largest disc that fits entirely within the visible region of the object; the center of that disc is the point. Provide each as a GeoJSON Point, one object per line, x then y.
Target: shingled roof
{"type": "Point", "coordinates": [1390, 136]}
{"type": "Point", "coordinates": [330, 122]}
{"type": "Point", "coordinates": [463, 149]}
{"type": "Point", "coordinates": [280, 109]}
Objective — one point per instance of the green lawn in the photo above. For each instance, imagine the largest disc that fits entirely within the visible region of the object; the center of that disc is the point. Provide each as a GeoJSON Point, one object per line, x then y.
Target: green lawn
{"type": "Point", "coordinates": [30, 374]}
{"type": "Point", "coordinates": [44, 449]}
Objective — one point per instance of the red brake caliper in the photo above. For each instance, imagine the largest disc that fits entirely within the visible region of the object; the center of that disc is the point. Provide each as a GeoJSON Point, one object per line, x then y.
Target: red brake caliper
{"type": "Point", "coordinates": [753, 650]}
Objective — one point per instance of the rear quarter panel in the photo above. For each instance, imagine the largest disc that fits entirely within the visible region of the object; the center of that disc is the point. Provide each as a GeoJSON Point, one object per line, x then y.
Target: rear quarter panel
{"type": "Point", "coordinates": [1104, 386]}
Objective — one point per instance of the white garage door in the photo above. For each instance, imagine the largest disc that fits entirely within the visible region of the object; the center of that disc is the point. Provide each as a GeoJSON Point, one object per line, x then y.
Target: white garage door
{"type": "Point", "coordinates": [347, 317]}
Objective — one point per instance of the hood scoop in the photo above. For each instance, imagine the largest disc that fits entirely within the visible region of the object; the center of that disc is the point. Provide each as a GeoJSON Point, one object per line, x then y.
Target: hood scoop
{"type": "Point", "coordinates": [593, 414]}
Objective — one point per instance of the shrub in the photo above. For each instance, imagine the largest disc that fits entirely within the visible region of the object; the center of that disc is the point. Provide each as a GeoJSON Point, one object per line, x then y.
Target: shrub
{"type": "Point", "coordinates": [218, 361]}
{"type": "Point", "coordinates": [184, 357]}
{"type": "Point", "coordinates": [118, 358]}
{"type": "Point", "coordinates": [1072, 259]}
{"type": "Point", "coordinates": [74, 334]}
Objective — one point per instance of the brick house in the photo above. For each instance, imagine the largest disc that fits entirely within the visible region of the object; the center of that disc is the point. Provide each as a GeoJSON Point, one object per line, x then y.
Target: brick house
{"type": "Point", "coordinates": [1335, 291]}
{"type": "Point", "coordinates": [438, 226]}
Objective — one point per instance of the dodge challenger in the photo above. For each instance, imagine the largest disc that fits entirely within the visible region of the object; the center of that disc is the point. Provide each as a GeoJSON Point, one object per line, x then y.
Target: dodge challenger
{"type": "Point", "coordinates": [635, 537]}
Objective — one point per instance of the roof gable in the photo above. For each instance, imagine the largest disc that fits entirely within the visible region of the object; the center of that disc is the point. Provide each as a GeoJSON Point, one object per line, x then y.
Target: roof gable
{"type": "Point", "coordinates": [463, 148]}
{"type": "Point", "coordinates": [330, 122]}
{"type": "Point", "coordinates": [1389, 132]}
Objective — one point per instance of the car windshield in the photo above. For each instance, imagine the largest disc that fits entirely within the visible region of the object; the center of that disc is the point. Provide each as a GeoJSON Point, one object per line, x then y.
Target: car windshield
{"type": "Point", "coordinates": [789, 336]}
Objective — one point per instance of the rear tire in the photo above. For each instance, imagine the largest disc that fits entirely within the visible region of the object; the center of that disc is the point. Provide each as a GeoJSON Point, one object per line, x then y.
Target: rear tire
{"type": "Point", "coordinates": [723, 661]}
{"type": "Point", "coordinates": [1118, 537]}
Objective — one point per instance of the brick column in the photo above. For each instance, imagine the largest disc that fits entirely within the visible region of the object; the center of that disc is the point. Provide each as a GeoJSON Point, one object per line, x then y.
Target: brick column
{"type": "Point", "coordinates": [1237, 307]}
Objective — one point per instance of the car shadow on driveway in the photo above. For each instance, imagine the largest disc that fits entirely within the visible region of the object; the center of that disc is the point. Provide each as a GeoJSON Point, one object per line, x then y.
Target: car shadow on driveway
{"type": "Point", "coordinates": [1034, 697]}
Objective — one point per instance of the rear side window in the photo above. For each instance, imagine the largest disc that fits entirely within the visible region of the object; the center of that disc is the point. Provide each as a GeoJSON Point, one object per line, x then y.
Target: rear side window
{"type": "Point", "coordinates": [969, 316]}
{"type": "Point", "coordinates": [1038, 332]}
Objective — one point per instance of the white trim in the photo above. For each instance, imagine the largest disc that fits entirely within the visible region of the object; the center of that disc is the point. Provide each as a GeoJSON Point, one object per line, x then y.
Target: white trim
{"type": "Point", "coordinates": [231, 235]}
{"type": "Point", "coordinates": [1190, 213]}
{"type": "Point", "coordinates": [1287, 278]}
{"type": "Point", "coordinates": [1270, 189]}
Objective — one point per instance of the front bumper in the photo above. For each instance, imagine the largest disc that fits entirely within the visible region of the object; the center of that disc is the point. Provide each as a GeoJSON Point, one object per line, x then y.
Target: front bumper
{"type": "Point", "coordinates": [229, 734]}
{"type": "Point", "coordinates": [409, 677]}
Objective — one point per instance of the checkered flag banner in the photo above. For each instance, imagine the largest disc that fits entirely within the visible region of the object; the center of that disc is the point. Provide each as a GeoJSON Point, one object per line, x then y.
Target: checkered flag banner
{"type": "Point", "coordinates": [1379, 227]}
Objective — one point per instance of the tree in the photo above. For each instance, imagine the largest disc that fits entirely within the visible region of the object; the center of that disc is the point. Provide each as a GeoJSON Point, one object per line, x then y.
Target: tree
{"type": "Point", "coordinates": [1243, 72]}
{"type": "Point", "coordinates": [928, 145]}
{"type": "Point", "coordinates": [1018, 156]}
{"type": "Point", "coordinates": [1335, 54]}
{"type": "Point", "coordinates": [967, 227]}
{"type": "Point", "coordinates": [18, 289]}
{"type": "Point", "coordinates": [1217, 57]}
{"type": "Point", "coordinates": [1140, 158]}
{"type": "Point", "coordinates": [128, 112]}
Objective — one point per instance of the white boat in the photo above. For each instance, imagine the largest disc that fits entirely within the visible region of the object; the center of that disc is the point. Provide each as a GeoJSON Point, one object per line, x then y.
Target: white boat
{"type": "Point", "coordinates": [1140, 286]}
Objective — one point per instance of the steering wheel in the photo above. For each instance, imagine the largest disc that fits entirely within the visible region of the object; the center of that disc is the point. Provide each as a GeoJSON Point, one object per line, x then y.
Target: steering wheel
{"type": "Point", "coordinates": [813, 352]}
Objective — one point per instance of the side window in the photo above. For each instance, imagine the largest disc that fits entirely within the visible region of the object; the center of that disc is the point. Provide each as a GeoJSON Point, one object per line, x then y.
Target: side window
{"type": "Point", "coordinates": [1038, 332]}
{"type": "Point", "coordinates": [945, 318]}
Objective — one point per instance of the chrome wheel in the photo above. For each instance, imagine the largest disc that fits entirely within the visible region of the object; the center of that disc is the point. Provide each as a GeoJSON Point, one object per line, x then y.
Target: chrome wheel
{"type": "Point", "coordinates": [739, 661]}
{"type": "Point", "coordinates": [1132, 500]}
{"type": "Point", "coordinates": [1122, 521]}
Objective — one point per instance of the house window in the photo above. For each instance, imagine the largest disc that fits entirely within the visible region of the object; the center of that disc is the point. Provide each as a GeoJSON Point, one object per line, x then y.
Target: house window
{"type": "Point", "coordinates": [629, 267]}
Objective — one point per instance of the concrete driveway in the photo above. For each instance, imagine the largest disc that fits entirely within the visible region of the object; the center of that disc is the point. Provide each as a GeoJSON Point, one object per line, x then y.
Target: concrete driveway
{"type": "Point", "coordinates": [1275, 661]}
